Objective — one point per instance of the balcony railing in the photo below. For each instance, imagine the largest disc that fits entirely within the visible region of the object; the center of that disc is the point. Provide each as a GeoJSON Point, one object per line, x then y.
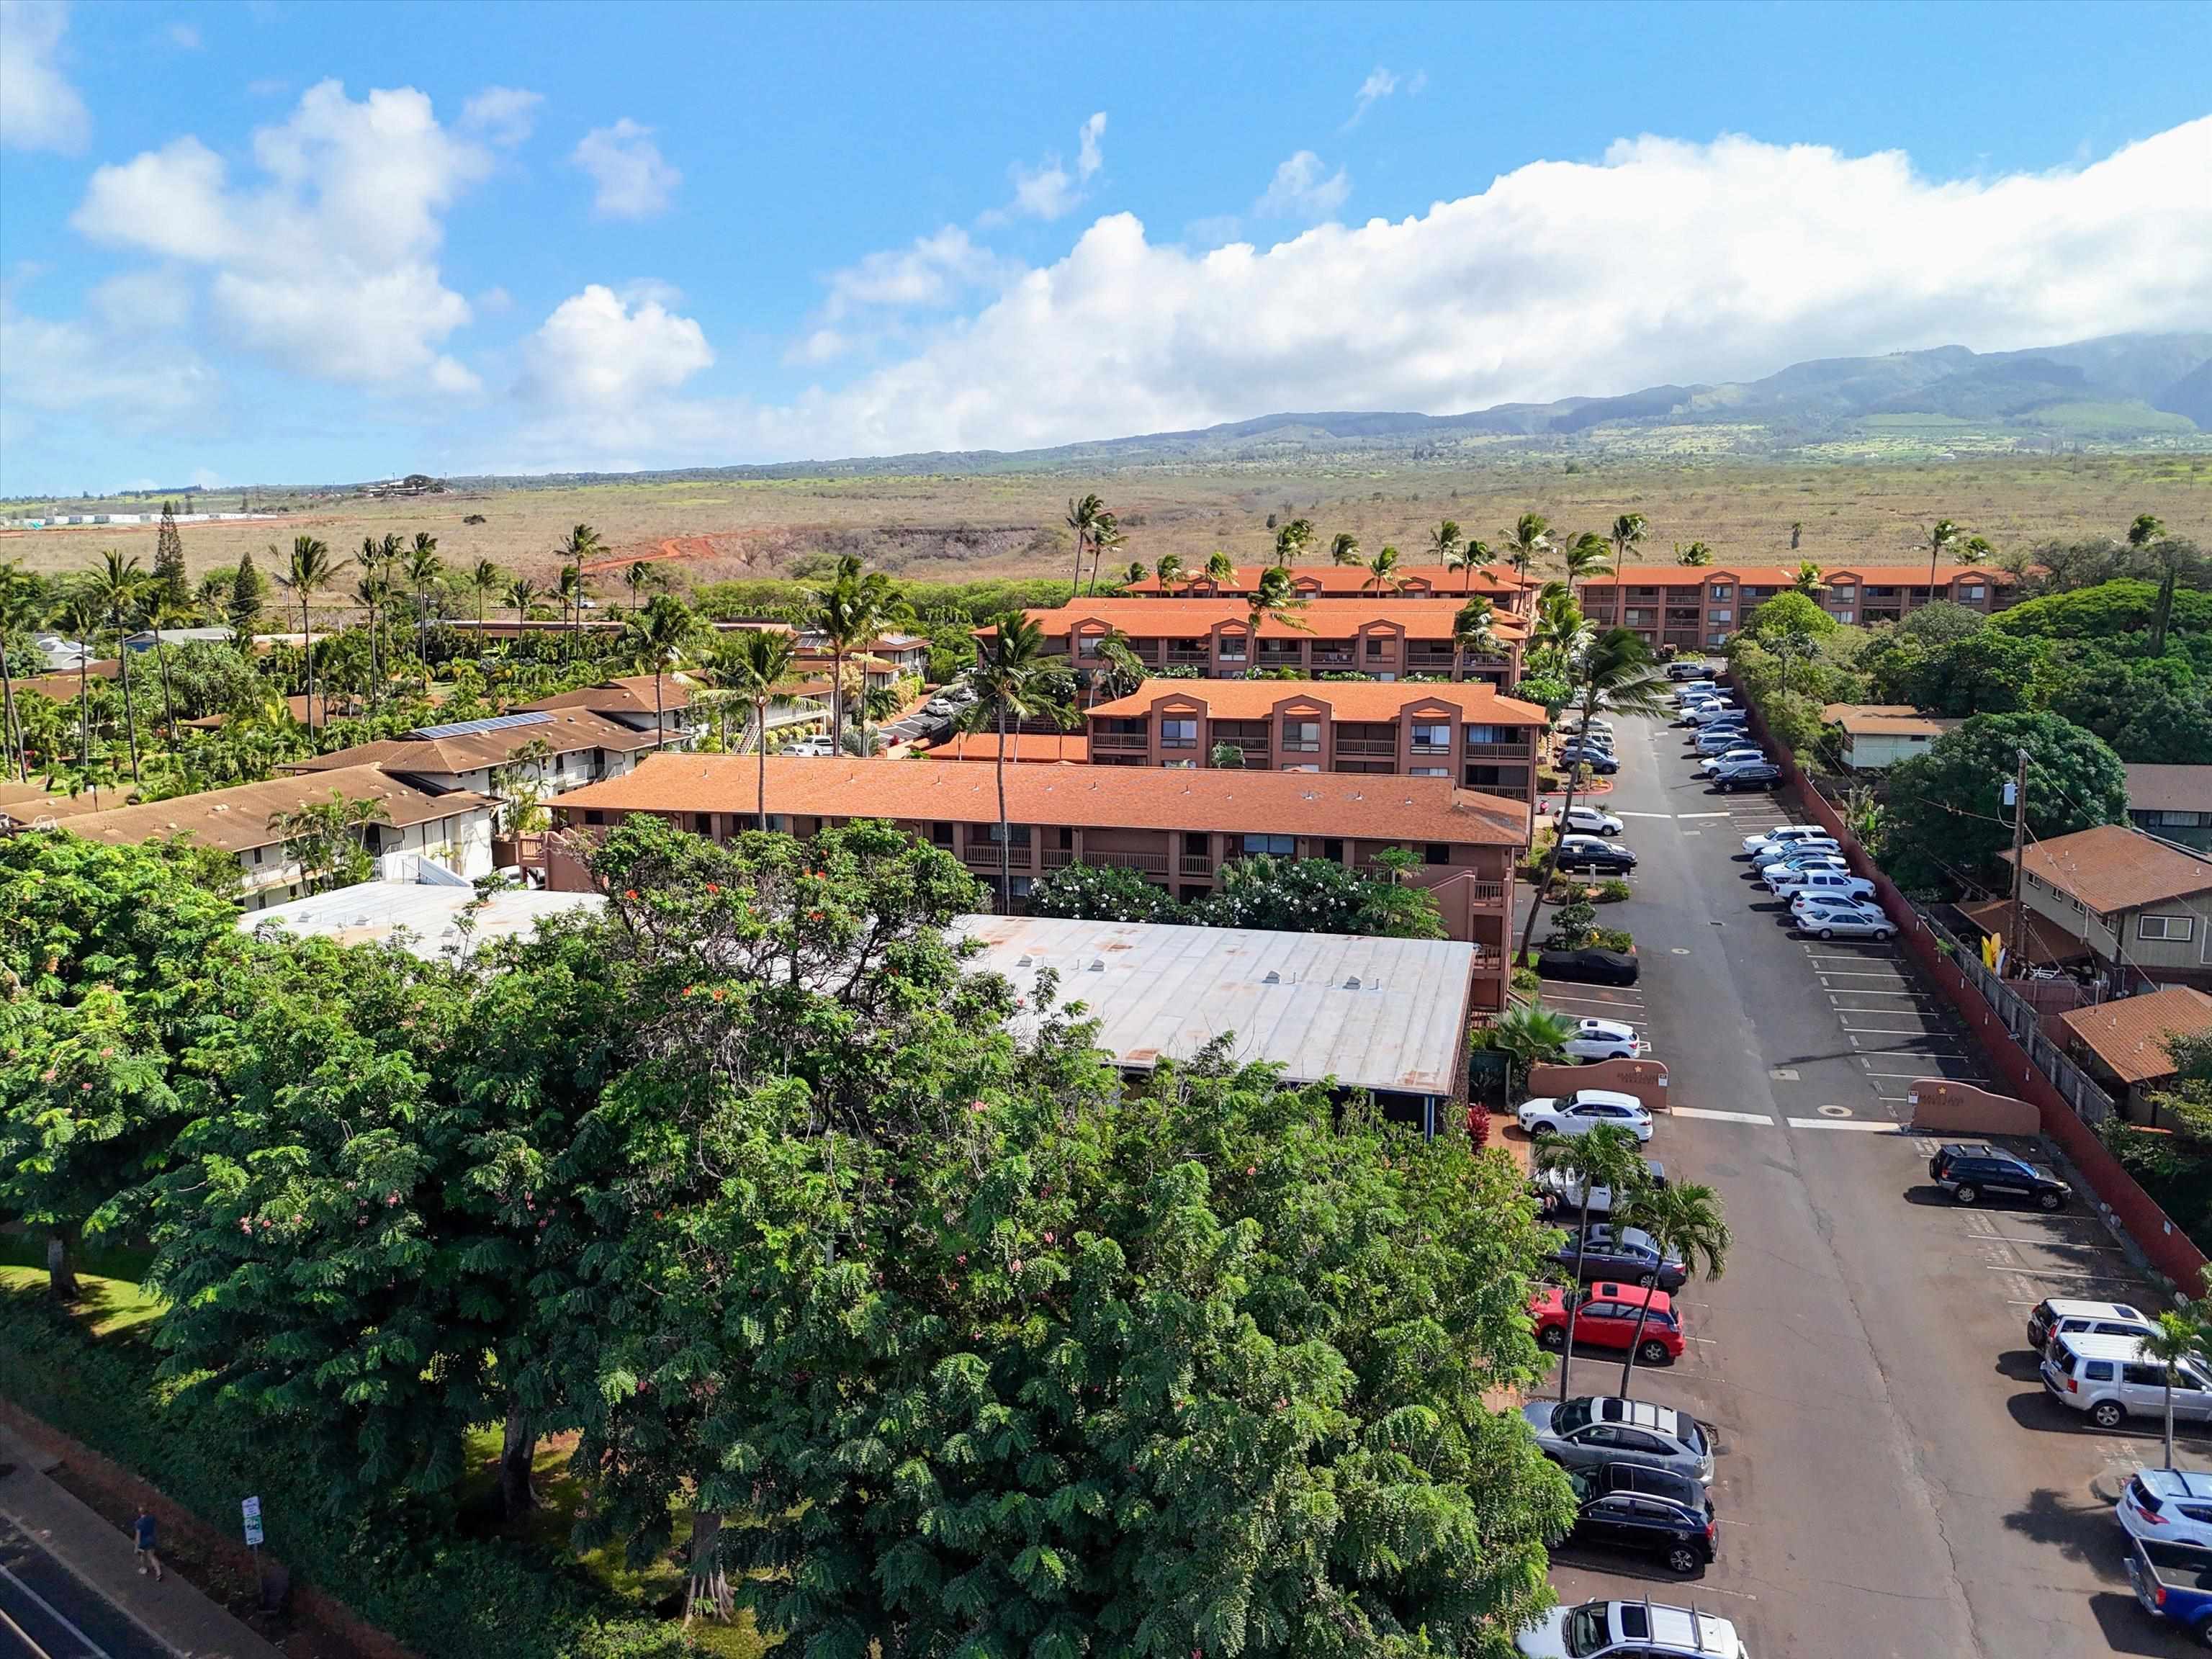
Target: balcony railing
{"type": "Point", "coordinates": [1124, 741]}
{"type": "Point", "coordinates": [1195, 864]}
{"type": "Point", "coordinates": [1188, 653]}
{"type": "Point", "coordinates": [1519, 751]}
{"type": "Point", "coordinates": [1418, 659]}
{"type": "Point", "coordinates": [1057, 858]}
{"type": "Point", "coordinates": [1383, 746]}
{"type": "Point", "coordinates": [1301, 745]}
{"type": "Point", "coordinates": [1153, 864]}
{"type": "Point", "coordinates": [1509, 791]}
{"type": "Point", "coordinates": [984, 856]}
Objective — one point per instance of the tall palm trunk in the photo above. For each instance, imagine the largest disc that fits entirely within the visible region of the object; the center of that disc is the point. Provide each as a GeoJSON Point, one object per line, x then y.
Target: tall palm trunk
{"type": "Point", "coordinates": [1005, 831]}
{"type": "Point", "coordinates": [1552, 859]}
{"type": "Point", "coordinates": [1575, 1291]}
{"type": "Point", "coordinates": [373, 675]}
{"type": "Point", "coordinates": [84, 719]}
{"type": "Point", "coordinates": [1643, 1316]}
{"type": "Point", "coordinates": [307, 650]}
{"type": "Point", "coordinates": [130, 713]}
{"type": "Point", "coordinates": [61, 1270]}
{"type": "Point", "coordinates": [660, 729]}
{"type": "Point", "coordinates": [2169, 1417]}
{"type": "Point", "coordinates": [517, 1451]}
{"type": "Point", "coordinates": [15, 732]}
{"type": "Point", "coordinates": [169, 703]}
{"type": "Point", "coordinates": [760, 720]}
{"type": "Point", "coordinates": [836, 698]}
{"type": "Point", "coordinates": [480, 631]}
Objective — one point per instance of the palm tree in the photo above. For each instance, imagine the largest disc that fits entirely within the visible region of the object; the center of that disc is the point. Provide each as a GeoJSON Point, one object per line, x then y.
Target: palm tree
{"type": "Point", "coordinates": [1082, 519]}
{"type": "Point", "coordinates": [661, 635]}
{"type": "Point", "coordinates": [1105, 536]}
{"type": "Point", "coordinates": [1616, 672]}
{"type": "Point", "coordinates": [1697, 554]}
{"type": "Point", "coordinates": [1121, 671]}
{"type": "Point", "coordinates": [167, 612]}
{"type": "Point", "coordinates": [16, 605]}
{"type": "Point", "coordinates": [1473, 630]}
{"type": "Point", "coordinates": [1008, 683]}
{"type": "Point", "coordinates": [372, 593]}
{"type": "Point", "coordinates": [1169, 571]}
{"type": "Point", "coordinates": [1470, 555]}
{"type": "Point", "coordinates": [756, 664]}
{"type": "Point", "coordinates": [80, 614]}
{"type": "Point", "coordinates": [1382, 572]}
{"type": "Point", "coordinates": [1345, 550]}
{"type": "Point", "coordinates": [1443, 542]}
{"type": "Point", "coordinates": [1134, 574]}
{"type": "Point", "coordinates": [1810, 580]}
{"type": "Point", "coordinates": [119, 586]}
{"type": "Point", "coordinates": [569, 587]}
{"type": "Point", "coordinates": [850, 612]}
{"type": "Point", "coordinates": [1941, 535]}
{"type": "Point", "coordinates": [1585, 555]}
{"type": "Point", "coordinates": [1529, 1036]}
{"type": "Point", "coordinates": [2175, 1339]}
{"type": "Point", "coordinates": [424, 567]}
{"type": "Point", "coordinates": [1273, 596]}
{"type": "Point", "coordinates": [1291, 540]}
{"type": "Point", "coordinates": [1220, 568]}
{"type": "Point", "coordinates": [1976, 550]}
{"type": "Point", "coordinates": [1529, 539]}
{"type": "Point", "coordinates": [484, 579]}
{"type": "Point", "coordinates": [309, 569]}
{"type": "Point", "coordinates": [1607, 1155]}
{"type": "Point", "coordinates": [521, 593]}
{"type": "Point", "coordinates": [1628, 530]}
{"type": "Point", "coordinates": [1685, 1223]}
{"type": "Point", "coordinates": [635, 577]}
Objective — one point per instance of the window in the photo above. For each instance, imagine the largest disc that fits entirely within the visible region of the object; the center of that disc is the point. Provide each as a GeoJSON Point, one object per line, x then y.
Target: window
{"type": "Point", "coordinates": [1432, 737]}
{"type": "Point", "coordinates": [1718, 590]}
{"type": "Point", "coordinates": [1276, 846]}
{"type": "Point", "coordinates": [2098, 1370]}
{"type": "Point", "coordinates": [940, 834]}
{"type": "Point", "coordinates": [1087, 645]}
{"type": "Point", "coordinates": [1179, 734]}
{"type": "Point", "coordinates": [1021, 886]}
{"type": "Point", "coordinates": [1303, 736]}
{"type": "Point", "coordinates": [1415, 771]}
{"type": "Point", "coordinates": [2174, 929]}
{"type": "Point", "coordinates": [2167, 818]}
{"type": "Point", "coordinates": [1019, 834]}
{"type": "Point", "coordinates": [1844, 615]}
{"type": "Point", "coordinates": [1333, 850]}
{"type": "Point", "coordinates": [1378, 646]}
{"type": "Point", "coordinates": [257, 852]}
{"type": "Point", "coordinates": [1486, 734]}
{"type": "Point", "coordinates": [1233, 647]}
{"type": "Point", "coordinates": [1437, 851]}
{"type": "Point", "coordinates": [1971, 590]}
{"type": "Point", "coordinates": [2143, 1377]}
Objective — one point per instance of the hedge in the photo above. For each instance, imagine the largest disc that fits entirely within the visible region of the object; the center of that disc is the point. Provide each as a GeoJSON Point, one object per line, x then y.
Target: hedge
{"type": "Point", "coordinates": [444, 1597]}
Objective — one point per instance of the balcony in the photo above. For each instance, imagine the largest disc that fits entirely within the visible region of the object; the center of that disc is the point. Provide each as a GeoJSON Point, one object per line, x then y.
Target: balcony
{"type": "Point", "coordinates": [1428, 660]}
{"type": "Point", "coordinates": [1509, 791]}
{"type": "Point", "coordinates": [1190, 653]}
{"type": "Point", "coordinates": [1195, 864]}
{"type": "Point", "coordinates": [1488, 752]}
{"type": "Point", "coordinates": [1301, 745]}
{"type": "Point", "coordinates": [1120, 742]}
{"type": "Point", "coordinates": [1151, 864]}
{"type": "Point", "coordinates": [984, 856]}
{"type": "Point", "coordinates": [1332, 654]}
{"type": "Point", "coordinates": [1276, 656]}
{"type": "Point", "coordinates": [1057, 858]}
{"type": "Point", "coordinates": [1385, 747]}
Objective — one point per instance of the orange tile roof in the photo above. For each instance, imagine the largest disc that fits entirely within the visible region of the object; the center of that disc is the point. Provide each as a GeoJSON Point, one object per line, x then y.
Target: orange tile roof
{"type": "Point", "coordinates": [1049, 746]}
{"type": "Point", "coordinates": [1323, 619]}
{"type": "Point", "coordinates": [2129, 1035]}
{"type": "Point", "coordinates": [236, 819]}
{"type": "Point", "coordinates": [1351, 579]}
{"type": "Point", "coordinates": [1347, 699]}
{"type": "Point", "coordinates": [1762, 575]}
{"type": "Point", "coordinates": [1356, 807]}
{"type": "Point", "coordinates": [2112, 868]}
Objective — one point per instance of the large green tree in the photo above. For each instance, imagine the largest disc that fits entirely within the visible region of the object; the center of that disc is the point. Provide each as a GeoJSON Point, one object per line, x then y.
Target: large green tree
{"type": "Point", "coordinates": [1947, 818]}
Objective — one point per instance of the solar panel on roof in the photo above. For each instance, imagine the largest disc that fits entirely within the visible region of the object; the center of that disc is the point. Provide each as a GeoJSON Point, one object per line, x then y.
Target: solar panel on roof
{"type": "Point", "coordinates": [470, 728]}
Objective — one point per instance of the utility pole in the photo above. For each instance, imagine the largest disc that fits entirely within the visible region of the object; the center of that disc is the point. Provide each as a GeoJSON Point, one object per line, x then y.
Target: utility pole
{"type": "Point", "coordinates": [2018, 845]}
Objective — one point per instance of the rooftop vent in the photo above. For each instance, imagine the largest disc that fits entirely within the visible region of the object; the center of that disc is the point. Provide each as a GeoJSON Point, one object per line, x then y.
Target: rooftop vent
{"type": "Point", "coordinates": [1271, 978]}
{"type": "Point", "coordinates": [1352, 984]}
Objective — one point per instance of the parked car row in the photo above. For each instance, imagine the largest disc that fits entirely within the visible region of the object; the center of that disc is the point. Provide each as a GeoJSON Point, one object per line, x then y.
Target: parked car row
{"type": "Point", "coordinates": [1727, 757]}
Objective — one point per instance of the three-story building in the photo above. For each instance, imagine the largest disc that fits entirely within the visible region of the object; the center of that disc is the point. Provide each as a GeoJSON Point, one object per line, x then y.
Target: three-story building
{"type": "Point", "coordinates": [1692, 608]}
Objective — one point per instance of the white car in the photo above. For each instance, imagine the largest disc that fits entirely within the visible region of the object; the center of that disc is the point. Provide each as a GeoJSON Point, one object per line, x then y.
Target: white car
{"type": "Point", "coordinates": [1695, 691]}
{"type": "Point", "coordinates": [1784, 874]}
{"type": "Point", "coordinates": [1831, 919]}
{"type": "Point", "coordinates": [1579, 1113]}
{"type": "Point", "coordinates": [1706, 714]}
{"type": "Point", "coordinates": [1603, 1039]}
{"type": "Point", "coordinates": [1806, 855]}
{"type": "Point", "coordinates": [1803, 887]}
{"type": "Point", "coordinates": [1588, 821]}
{"type": "Point", "coordinates": [1630, 1630]}
{"type": "Point", "coordinates": [1743, 753]}
{"type": "Point", "coordinates": [1781, 838]}
{"type": "Point", "coordinates": [2168, 1506]}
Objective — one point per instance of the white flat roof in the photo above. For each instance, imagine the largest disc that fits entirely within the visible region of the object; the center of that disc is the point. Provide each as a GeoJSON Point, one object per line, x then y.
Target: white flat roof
{"type": "Point", "coordinates": [1158, 990]}
{"type": "Point", "coordinates": [375, 912]}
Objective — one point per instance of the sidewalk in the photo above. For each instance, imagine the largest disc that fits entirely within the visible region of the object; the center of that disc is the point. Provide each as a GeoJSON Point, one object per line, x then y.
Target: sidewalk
{"type": "Point", "coordinates": [171, 1612]}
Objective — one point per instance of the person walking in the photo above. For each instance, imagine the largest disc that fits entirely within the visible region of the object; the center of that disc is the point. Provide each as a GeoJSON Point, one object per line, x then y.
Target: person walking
{"type": "Point", "coordinates": [142, 1536]}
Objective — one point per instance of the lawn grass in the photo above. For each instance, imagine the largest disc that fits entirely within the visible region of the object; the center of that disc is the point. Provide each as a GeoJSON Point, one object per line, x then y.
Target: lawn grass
{"type": "Point", "coordinates": [105, 1306]}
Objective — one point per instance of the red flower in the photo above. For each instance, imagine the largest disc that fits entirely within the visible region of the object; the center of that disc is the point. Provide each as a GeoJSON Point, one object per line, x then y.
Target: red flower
{"type": "Point", "coordinates": [718, 993]}
{"type": "Point", "coordinates": [1048, 1238]}
{"type": "Point", "coordinates": [711, 888]}
{"type": "Point", "coordinates": [629, 892]}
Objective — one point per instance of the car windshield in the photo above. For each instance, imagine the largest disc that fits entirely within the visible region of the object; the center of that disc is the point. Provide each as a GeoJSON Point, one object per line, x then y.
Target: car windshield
{"type": "Point", "coordinates": [1587, 1630]}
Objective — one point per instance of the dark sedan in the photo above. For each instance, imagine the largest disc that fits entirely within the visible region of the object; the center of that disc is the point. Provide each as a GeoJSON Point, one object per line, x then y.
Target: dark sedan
{"type": "Point", "coordinates": [1595, 853]}
{"type": "Point", "coordinates": [1590, 967]}
{"type": "Point", "coordinates": [1628, 1254]}
{"type": "Point", "coordinates": [1752, 775]}
{"type": "Point", "coordinates": [1626, 1506]}
{"type": "Point", "coordinates": [1599, 760]}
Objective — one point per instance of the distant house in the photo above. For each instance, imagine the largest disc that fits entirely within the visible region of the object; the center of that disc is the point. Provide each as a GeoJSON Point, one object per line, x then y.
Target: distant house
{"type": "Point", "coordinates": [146, 639]}
{"type": "Point", "coordinates": [2173, 803]}
{"type": "Point", "coordinates": [1874, 737]}
{"type": "Point", "coordinates": [2124, 1044]}
{"type": "Point", "coordinates": [2141, 908]}
{"type": "Point", "coordinates": [629, 700]}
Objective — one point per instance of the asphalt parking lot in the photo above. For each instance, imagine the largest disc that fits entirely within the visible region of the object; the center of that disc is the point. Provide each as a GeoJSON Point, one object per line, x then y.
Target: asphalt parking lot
{"type": "Point", "coordinates": [1892, 1478]}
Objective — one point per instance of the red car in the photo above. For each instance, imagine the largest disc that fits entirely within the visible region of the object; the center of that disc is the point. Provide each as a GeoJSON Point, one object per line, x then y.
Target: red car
{"type": "Point", "coordinates": [1606, 1318]}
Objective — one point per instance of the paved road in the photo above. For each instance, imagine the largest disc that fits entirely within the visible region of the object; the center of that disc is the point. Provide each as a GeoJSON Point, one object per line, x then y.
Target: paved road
{"type": "Point", "coordinates": [47, 1611]}
{"type": "Point", "coordinates": [1891, 1480]}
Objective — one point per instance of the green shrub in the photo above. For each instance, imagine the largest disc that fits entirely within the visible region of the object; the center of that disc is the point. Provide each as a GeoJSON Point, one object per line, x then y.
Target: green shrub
{"type": "Point", "coordinates": [1616, 939]}
{"type": "Point", "coordinates": [1612, 890]}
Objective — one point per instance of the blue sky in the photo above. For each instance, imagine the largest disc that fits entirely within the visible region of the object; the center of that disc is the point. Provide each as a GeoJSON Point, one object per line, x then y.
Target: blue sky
{"type": "Point", "coordinates": [278, 241]}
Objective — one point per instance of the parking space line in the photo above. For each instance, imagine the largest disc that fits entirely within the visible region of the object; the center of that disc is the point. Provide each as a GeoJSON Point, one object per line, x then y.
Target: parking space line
{"type": "Point", "coordinates": [2052, 1273]}
{"type": "Point", "coordinates": [1714, 1115]}
{"type": "Point", "coordinates": [1859, 991]}
{"type": "Point", "coordinates": [1864, 1126]}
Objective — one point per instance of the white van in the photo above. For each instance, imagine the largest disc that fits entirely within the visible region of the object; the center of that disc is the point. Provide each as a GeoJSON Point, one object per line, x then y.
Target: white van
{"type": "Point", "coordinates": [2107, 1378]}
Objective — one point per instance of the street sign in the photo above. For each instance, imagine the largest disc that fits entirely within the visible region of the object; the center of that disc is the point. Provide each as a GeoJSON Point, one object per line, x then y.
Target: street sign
{"type": "Point", "coordinates": [252, 1509]}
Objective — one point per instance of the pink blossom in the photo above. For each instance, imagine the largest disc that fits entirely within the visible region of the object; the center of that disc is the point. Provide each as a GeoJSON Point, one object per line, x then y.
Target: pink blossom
{"type": "Point", "coordinates": [1251, 1168]}
{"type": "Point", "coordinates": [104, 1052]}
{"type": "Point", "coordinates": [245, 1225]}
{"type": "Point", "coordinates": [84, 1088]}
{"type": "Point", "coordinates": [1049, 1238]}
{"type": "Point", "coordinates": [47, 1076]}
{"type": "Point", "coordinates": [962, 1258]}
{"type": "Point", "coordinates": [391, 1199]}
{"type": "Point", "coordinates": [1017, 1264]}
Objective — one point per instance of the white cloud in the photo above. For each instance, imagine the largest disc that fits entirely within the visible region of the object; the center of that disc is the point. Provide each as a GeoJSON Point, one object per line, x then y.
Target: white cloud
{"type": "Point", "coordinates": [185, 37]}
{"type": "Point", "coordinates": [931, 272]}
{"type": "Point", "coordinates": [97, 365]}
{"type": "Point", "coordinates": [1664, 261]}
{"type": "Point", "coordinates": [1048, 190]}
{"type": "Point", "coordinates": [1303, 188]}
{"type": "Point", "coordinates": [38, 108]}
{"type": "Point", "coordinates": [600, 356]}
{"type": "Point", "coordinates": [1379, 84]}
{"type": "Point", "coordinates": [504, 115]}
{"type": "Point", "coordinates": [363, 185]}
{"type": "Point", "coordinates": [633, 182]}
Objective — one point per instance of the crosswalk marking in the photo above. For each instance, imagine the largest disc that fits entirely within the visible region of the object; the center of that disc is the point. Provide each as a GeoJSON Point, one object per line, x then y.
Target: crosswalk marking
{"type": "Point", "coordinates": [1714, 1115]}
{"type": "Point", "coordinates": [1863, 1125]}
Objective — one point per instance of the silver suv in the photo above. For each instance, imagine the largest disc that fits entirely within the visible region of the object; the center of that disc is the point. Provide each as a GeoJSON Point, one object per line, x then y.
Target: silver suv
{"type": "Point", "coordinates": [1589, 1429]}
{"type": "Point", "coordinates": [1630, 1630]}
{"type": "Point", "coordinates": [2107, 1378]}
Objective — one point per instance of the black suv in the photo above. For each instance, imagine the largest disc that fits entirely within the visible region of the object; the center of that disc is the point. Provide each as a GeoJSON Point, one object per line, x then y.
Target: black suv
{"type": "Point", "coordinates": [1628, 1506]}
{"type": "Point", "coordinates": [1626, 1255]}
{"type": "Point", "coordinates": [1970, 1171]}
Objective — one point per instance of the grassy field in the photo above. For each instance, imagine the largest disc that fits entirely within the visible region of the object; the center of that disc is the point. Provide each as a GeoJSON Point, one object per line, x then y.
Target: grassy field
{"type": "Point", "coordinates": [1861, 508]}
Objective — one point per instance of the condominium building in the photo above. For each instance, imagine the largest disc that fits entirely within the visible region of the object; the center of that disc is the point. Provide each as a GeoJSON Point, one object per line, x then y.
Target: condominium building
{"type": "Point", "coordinates": [1383, 639]}
{"type": "Point", "coordinates": [1180, 830]}
{"type": "Point", "coordinates": [1499, 583]}
{"type": "Point", "coordinates": [1466, 732]}
{"type": "Point", "coordinates": [534, 751]}
{"type": "Point", "coordinates": [1699, 609]}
